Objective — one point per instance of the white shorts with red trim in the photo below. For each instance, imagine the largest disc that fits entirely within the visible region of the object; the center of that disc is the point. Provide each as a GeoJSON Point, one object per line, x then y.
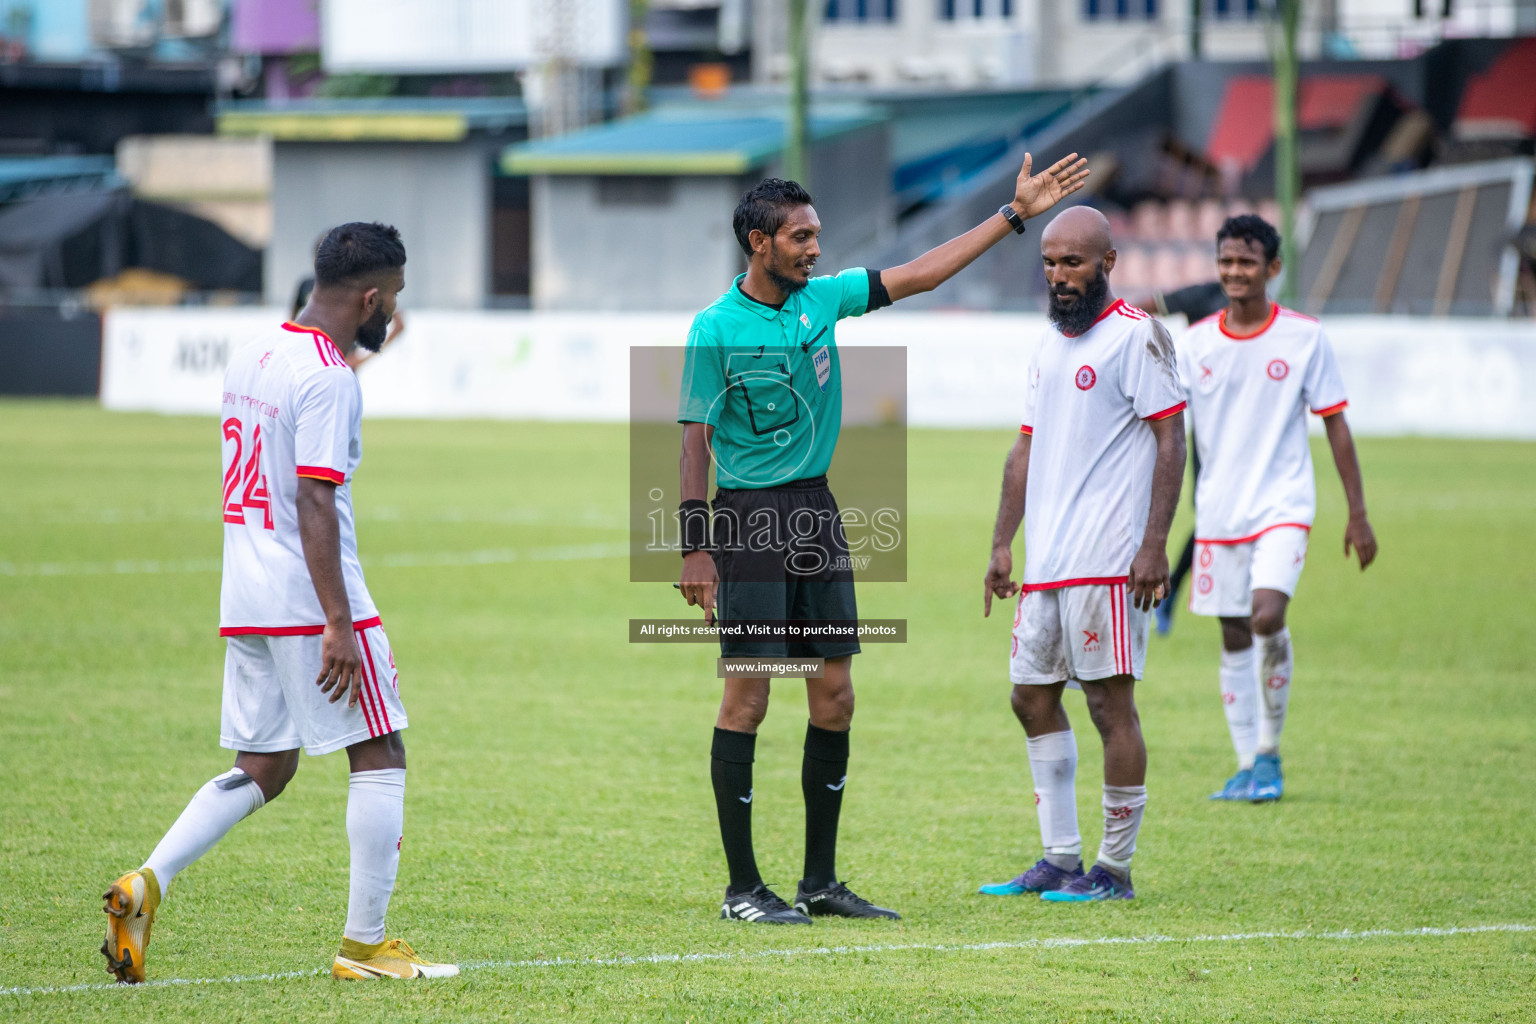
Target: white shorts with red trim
{"type": "Point", "coordinates": [1227, 574]}
{"type": "Point", "coordinates": [271, 702]}
{"type": "Point", "coordinates": [1090, 631]}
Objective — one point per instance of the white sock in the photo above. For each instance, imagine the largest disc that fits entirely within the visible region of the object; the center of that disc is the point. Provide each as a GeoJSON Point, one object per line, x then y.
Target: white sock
{"type": "Point", "coordinates": [1275, 668]}
{"type": "Point", "coordinates": [1240, 700]}
{"type": "Point", "coordinates": [1053, 764]}
{"type": "Point", "coordinates": [1123, 807]}
{"type": "Point", "coordinates": [375, 827]}
{"type": "Point", "coordinates": [219, 806]}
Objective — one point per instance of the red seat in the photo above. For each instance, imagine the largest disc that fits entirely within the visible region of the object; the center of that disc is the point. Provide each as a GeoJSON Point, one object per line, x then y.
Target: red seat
{"type": "Point", "coordinates": [1500, 103]}
{"type": "Point", "coordinates": [1245, 125]}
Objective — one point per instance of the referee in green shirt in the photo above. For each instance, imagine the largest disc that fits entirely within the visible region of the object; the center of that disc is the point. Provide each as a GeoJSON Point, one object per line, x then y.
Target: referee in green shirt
{"type": "Point", "coordinates": [762, 395]}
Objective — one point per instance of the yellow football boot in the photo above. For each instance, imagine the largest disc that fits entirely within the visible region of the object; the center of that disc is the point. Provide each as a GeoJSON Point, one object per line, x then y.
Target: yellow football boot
{"type": "Point", "coordinates": [131, 902]}
{"type": "Point", "coordinates": [392, 958]}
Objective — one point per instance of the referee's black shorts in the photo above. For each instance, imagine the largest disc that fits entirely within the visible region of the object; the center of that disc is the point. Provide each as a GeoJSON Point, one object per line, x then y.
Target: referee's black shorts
{"type": "Point", "coordinates": [782, 556]}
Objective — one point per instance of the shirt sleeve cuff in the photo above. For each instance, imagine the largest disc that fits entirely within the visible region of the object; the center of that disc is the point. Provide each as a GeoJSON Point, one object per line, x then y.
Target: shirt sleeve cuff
{"type": "Point", "coordinates": [1330, 410]}
{"type": "Point", "coordinates": [1026, 429]}
{"type": "Point", "coordinates": [1166, 412]}
{"type": "Point", "coordinates": [322, 473]}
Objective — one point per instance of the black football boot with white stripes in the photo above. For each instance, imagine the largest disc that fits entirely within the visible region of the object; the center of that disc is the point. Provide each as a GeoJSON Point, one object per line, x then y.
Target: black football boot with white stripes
{"type": "Point", "coordinates": [760, 906]}
{"type": "Point", "coordinates": [838, 900]}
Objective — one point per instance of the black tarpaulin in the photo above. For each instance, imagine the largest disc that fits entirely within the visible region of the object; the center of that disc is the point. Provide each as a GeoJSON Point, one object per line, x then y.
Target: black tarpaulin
{"type": "Point", "coordinates": [70, 241]}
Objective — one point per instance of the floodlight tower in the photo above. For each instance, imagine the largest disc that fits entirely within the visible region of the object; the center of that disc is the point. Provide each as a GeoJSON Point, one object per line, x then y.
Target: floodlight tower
{"type": "Point", "coordinates": [563, 76]}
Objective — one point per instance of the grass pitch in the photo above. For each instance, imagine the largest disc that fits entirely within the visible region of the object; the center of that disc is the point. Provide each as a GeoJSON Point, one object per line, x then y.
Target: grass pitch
{"type": "Point", "coordinates": [559, 823]}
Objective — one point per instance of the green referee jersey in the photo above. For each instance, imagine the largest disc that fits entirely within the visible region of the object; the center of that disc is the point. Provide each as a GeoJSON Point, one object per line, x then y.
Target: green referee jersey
{"type": "Point", "coordinates": [769, 381]}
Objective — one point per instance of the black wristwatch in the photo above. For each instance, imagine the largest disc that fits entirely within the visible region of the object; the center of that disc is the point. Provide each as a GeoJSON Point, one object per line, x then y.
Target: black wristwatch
{"type": "Point", "coordinates": [1014, 219]}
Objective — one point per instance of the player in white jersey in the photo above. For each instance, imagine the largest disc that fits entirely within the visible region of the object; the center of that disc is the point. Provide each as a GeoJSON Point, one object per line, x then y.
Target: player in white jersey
{"type": "Point", "coordinates": [307, 662]}
{"type": "Point", "coordinates": [1095, 477]}
{"type": "Point", "coordinates": [1251, 373]}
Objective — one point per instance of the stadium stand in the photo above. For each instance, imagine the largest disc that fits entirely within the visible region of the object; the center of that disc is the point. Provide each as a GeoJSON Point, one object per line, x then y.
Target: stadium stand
{"type": "Point", "coordinates": [1441, 241]}
{"type": "Point", "coordinates": [1497, 115]}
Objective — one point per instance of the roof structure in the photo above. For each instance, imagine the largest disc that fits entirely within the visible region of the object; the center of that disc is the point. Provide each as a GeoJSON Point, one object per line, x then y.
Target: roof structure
{"type": "Point", "coordinates": [1435, 242]}
{"type": "Point", "coordinates": [25, 176]}
{"type": "Point", "coordinates": [679, 141]}
{"type": "Point", "coordinates": [393, 119]}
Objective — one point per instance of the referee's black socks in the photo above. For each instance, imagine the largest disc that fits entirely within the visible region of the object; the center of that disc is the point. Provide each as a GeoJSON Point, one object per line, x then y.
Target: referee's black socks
{"type": "Point", "coordinates": [823, 773]}
{"type": "Point", "coordinates": [730, 769]}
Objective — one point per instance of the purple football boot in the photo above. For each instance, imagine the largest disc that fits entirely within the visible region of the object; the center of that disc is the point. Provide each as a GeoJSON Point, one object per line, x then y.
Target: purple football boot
{"type": "Point", "coordinates": [1043, 877]}
{"type": "Point", "coordinates": [1097, 884]}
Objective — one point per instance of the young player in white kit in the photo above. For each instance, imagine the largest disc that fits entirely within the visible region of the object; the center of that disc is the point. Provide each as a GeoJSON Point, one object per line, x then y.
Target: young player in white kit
{"type": "Point", "coordinates": [1095, 476]}
{"type": "Point", "coordinates": [1251, 373]}
{"type": "Point", "coordinates": [307, 662]}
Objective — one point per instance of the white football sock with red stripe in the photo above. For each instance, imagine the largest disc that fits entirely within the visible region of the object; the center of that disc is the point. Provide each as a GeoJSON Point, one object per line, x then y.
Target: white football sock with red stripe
{"type": "Point", "coordinates": [222, 803]}
{"type": "Point", "coordinates": [1123, 809]}
{"type": "Point", "coordinates": [1240, 701]}
{"type": "Point", "coordinates": [375, 827]}
{"type": "Point", "coordinates": [1275, 668]}
{"type": "Point", "coordinates": [1053, 764]}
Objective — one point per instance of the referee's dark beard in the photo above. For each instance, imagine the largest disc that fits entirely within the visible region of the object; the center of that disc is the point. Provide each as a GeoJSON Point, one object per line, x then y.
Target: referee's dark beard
{"type": "Point", "coordinates": [787, 285]}
{"type": "Point", "coordinates": [1077, 317]}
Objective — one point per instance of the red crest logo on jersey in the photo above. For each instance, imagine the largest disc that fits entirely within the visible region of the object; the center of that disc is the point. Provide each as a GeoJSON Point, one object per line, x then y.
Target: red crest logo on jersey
{"type": "Point", "coordinates": [1090, 640]}
{"type": "Point", "coordinates": [263, 360]}
{"type": "Point", "coordinates": [1204, 584]}
{"type": "Point", "coordinates": [1205, 373]}
{"type": "Point", "coordinates": [1086, 378]}
{"type": "Point", "coordinates": [1278, 369]}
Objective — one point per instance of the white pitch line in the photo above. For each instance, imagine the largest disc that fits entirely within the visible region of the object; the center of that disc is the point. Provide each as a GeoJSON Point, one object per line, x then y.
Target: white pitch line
{"type": "Point", "coordinates": [403, 560]}
{"type": "Point", "coordinates": [785, 954]}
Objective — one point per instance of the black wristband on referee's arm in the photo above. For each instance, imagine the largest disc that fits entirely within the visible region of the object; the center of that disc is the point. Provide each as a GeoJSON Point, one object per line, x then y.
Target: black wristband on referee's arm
{"type": "Point", "coordinates": [693, 517]}
{"type": "Point", "coordinates": [1012, 218]}
{"type": "Point", "coordinates": [879, 298]}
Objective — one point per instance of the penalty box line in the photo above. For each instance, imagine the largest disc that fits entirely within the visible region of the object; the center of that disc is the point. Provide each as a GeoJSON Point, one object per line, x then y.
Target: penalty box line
{"type": "Point", "coordinates": [785, 954]}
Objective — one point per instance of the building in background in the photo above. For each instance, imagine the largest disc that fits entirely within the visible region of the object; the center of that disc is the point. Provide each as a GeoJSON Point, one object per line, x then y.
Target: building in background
{"type": "Point", "coordinates": [637, 214]}
{"type": "Point", "coordinates": [222, 179]}
{"type": "Point", "coordinates": [66, 31]}
{"type": "Point", "coordinates": [427, 166]}
{"type": "Point", "coordinates": [996, 43]}
{"type": "Point", "coordinates": [272, 119]}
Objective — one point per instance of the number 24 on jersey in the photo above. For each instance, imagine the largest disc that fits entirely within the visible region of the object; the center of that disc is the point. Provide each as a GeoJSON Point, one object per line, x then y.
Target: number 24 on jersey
{"type": "Point", "coordinates": [244, 471]}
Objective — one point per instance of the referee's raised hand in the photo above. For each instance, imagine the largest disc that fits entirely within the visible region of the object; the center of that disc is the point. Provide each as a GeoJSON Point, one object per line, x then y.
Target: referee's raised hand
{"type": "Point", "coordinates": [699, 582]}
{"type": "Point", "coordinates": [1035, 193]}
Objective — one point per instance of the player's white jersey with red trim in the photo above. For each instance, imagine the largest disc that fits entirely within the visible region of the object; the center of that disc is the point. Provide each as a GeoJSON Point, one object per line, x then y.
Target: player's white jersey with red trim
{"type": "Point", "coordinates": [1091, 457]}
{"type": "Point", "coordinates": [1248, 401]}
{"type": "Point", "coordinates": [292, 408]}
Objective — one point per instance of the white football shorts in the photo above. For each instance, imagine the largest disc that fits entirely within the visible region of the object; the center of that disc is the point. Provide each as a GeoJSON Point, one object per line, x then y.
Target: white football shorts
{"type": "Point", "coordinates": [1092, 631]}
{"type": "Point", "coordinates": [271, 702]}
{"type": "Point", "coordinates": [1226, 575]}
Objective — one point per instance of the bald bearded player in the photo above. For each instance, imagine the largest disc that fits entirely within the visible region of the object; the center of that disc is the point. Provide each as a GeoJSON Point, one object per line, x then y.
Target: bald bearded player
{"type": "Point", "coordinates": [1095, 477]}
